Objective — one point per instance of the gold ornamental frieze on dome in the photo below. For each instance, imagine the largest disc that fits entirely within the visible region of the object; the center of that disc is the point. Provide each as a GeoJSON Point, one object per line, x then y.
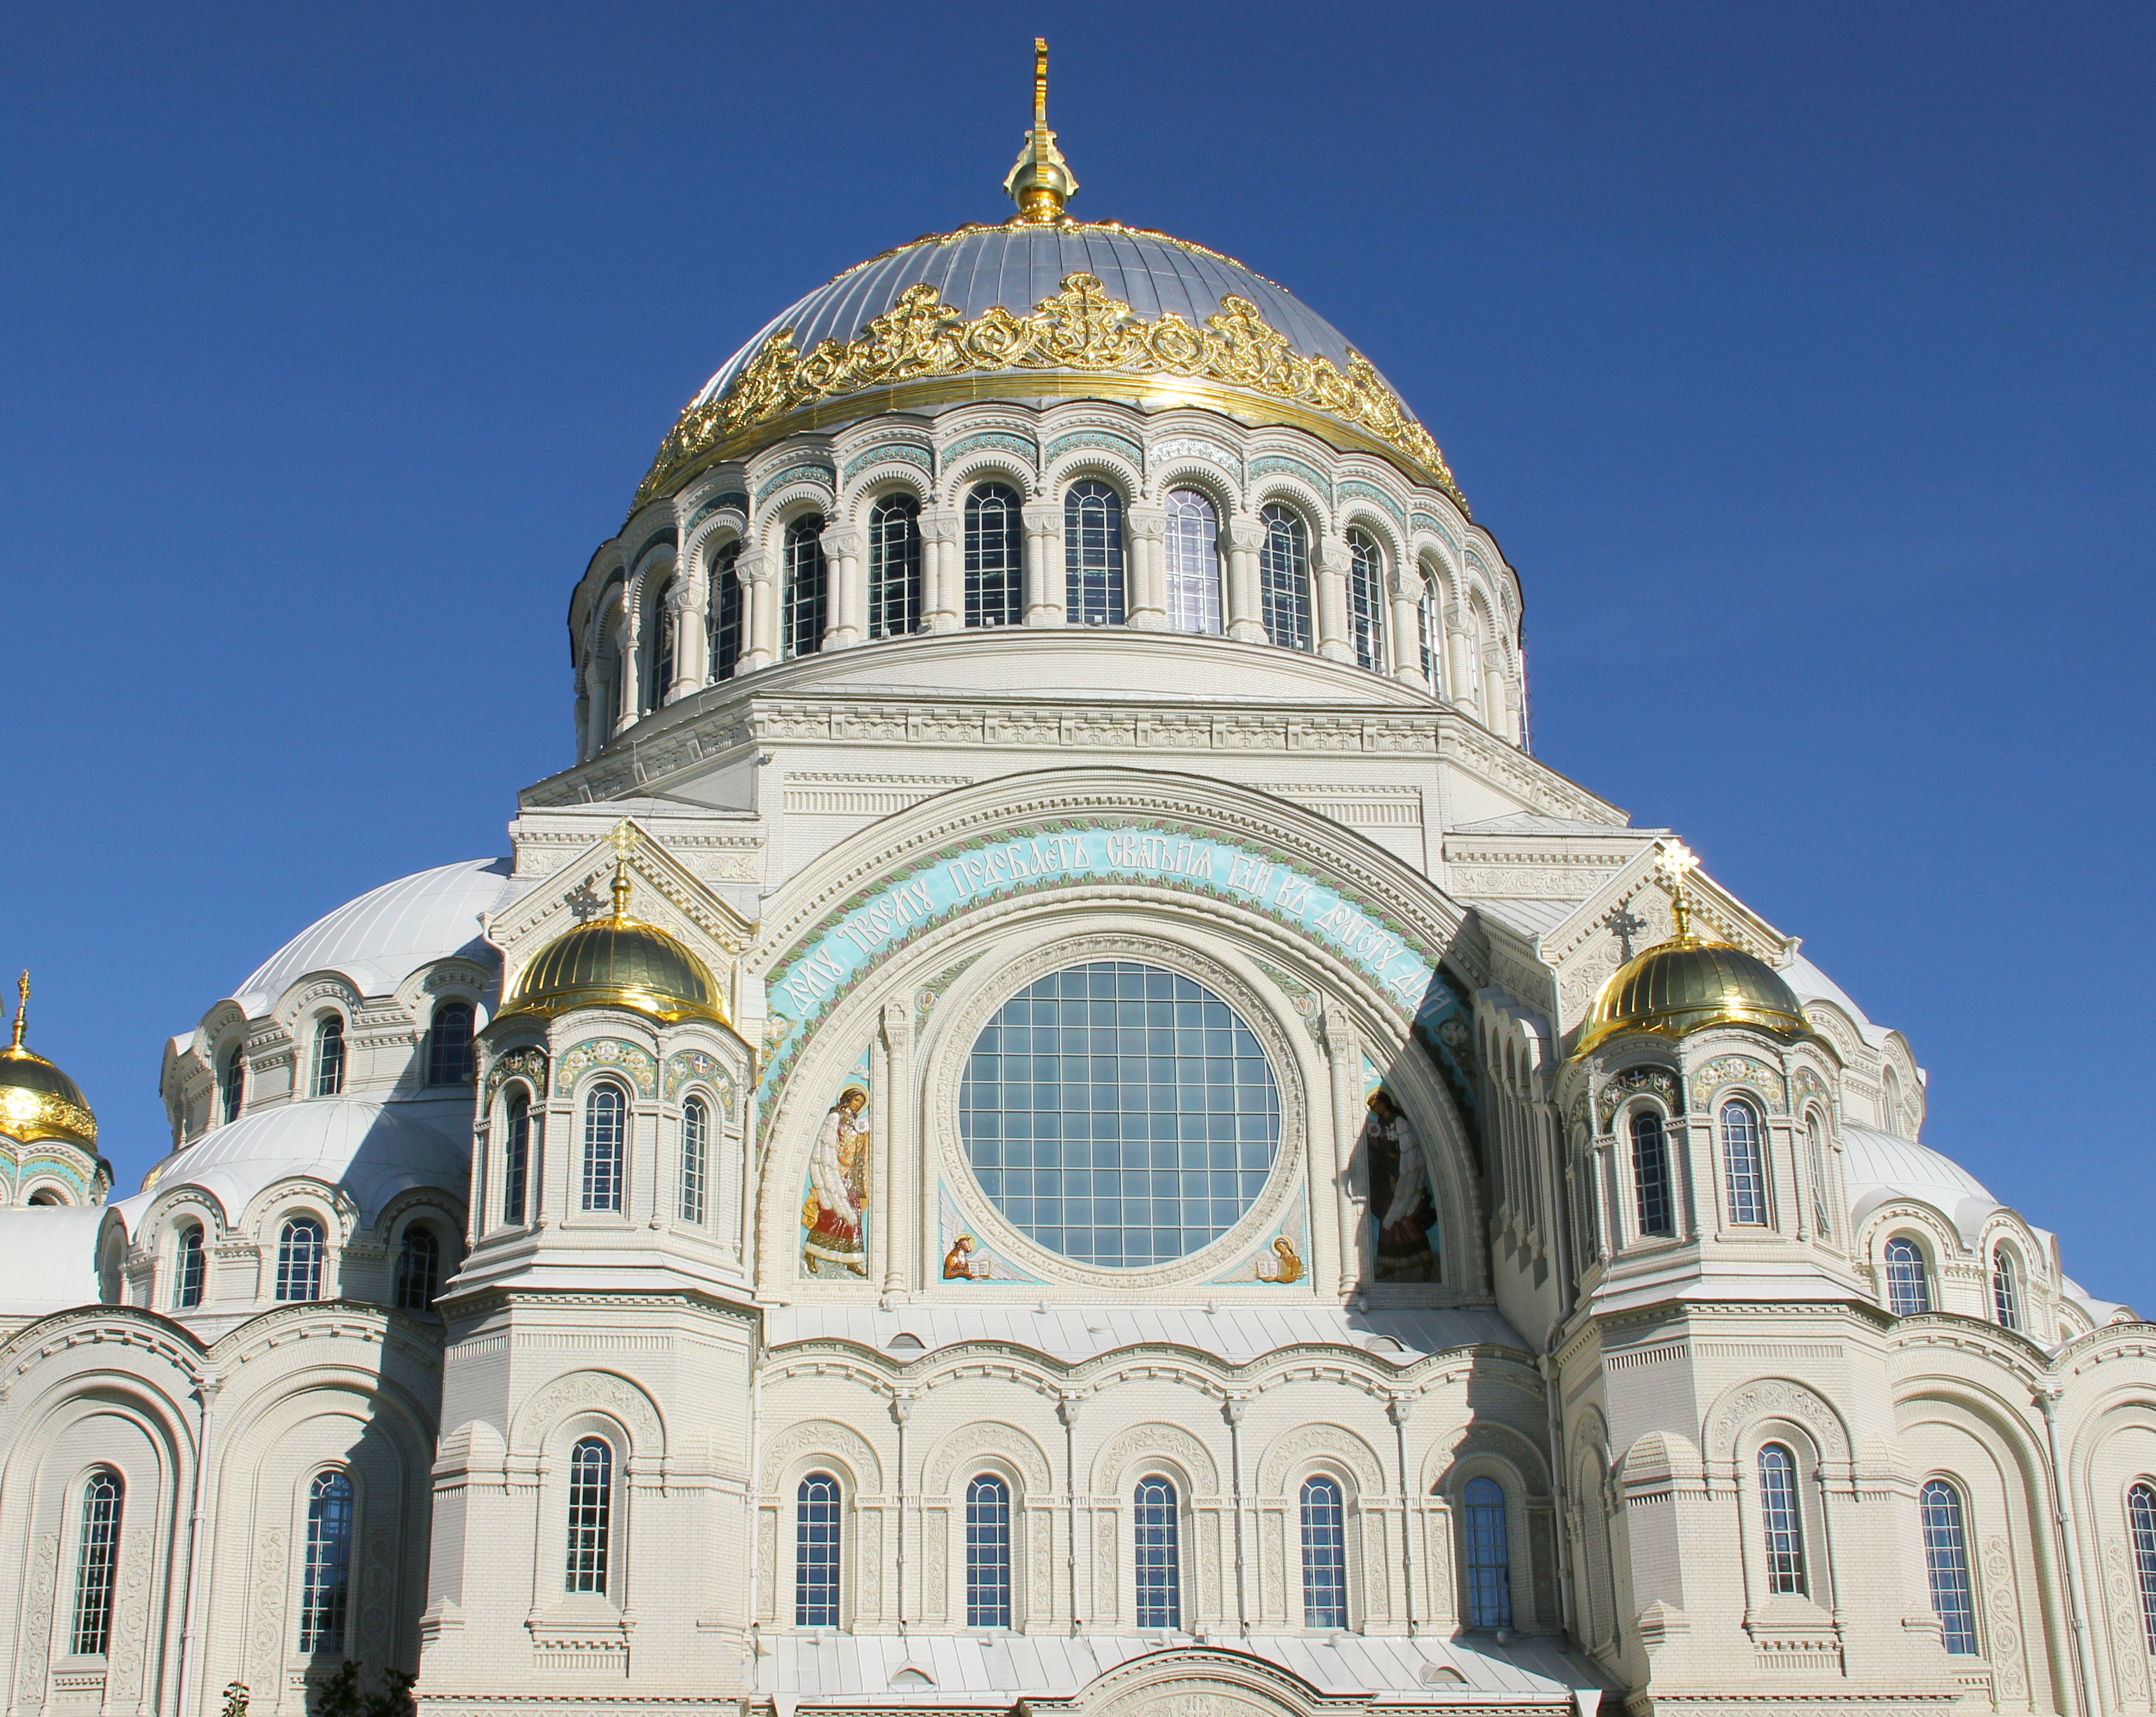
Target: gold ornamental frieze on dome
{"type": "Point", "coordinates": [1082, 329]}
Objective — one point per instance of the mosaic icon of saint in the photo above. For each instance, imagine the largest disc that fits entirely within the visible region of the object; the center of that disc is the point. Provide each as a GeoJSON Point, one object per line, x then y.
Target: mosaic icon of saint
{"type": "Point", "coordinates": [837, 1197]}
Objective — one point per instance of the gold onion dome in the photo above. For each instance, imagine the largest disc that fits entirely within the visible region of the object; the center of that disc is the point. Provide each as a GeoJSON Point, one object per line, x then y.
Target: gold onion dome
{"type": "Point", "coordinates": [617, 962]}
{"type": "Point", "coordinates": [37, 1100]}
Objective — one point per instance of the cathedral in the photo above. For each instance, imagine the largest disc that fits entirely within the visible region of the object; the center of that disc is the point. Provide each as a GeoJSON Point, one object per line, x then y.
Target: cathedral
{"type": "Point", "coordinates": [1054, 1114]}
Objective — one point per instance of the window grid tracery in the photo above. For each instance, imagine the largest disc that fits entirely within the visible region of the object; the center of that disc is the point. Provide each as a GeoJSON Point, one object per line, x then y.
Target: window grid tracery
{"type": "Point", "coordinates": [1092, 554]}
{"type": "Point", "coordinates": [1324, 1553]}
{"type": "Point", "coordinates": [329, 1055]}
{"type": "Point", "coordinates": [895, 567]}
{"type": "Point", "coordinates": [1158, 1584]}
{"type": "Point", "coordinates": [665, 646]}
{"type": "Point", "coordinates": [1908, 1285]}
{"type": "Point", "coordinates": [816, 1548]}
{"type": "Point", "coordinates": [187, 1283]}
{"type": "Point", "coordinates": [1743, 1165]}
{"type": "Point", "coordinates": [995, 556]}
{"type": "Point", "coordinates": [301, 1251]}
{"type": "Point", "coordinates": [449, 1045]}
{"type": "Point", "coordinates": [2141, 1521]}
{"type": "Point", "coordinates": [606, 1113]}
{"type": "Point", "coordinates": [419, 1269]}
{"type": "Point", "coordinates": [1429, 632]}
{"type": "Point", "coordinates": [326, 1595]}
{"type": "Point", "coordinates": [1781, 1521]}
{"type": "Point", "coordinates": [1946, 1567]}
{"type": "Point", "coordinates": [2005, 1290]}
{"type": "Point", "coordinates": [1487, 1540]}
{"type": "Point", "coordinates": [987, 1553]}
{"type": "Point", "coordinates": [807, 587]}
{"type": "Point", "coordinates": [516, 1160]}
{"type": "Point", "coordinates": [1366, 600]}
{"type": "Point", "coordinates": [1650, 1175]}
{"type": "Point", "coordinates": [591, 1515]}
{"type": "Point", "coordinates": [1191, 553]}
{"type": "Point", "coordinates": [97, 1557]}
{"type": "Point", "coordinates": [1283, 577]}
{"type": "Point", "coordinates": [695, 1128]}
{"type": "Point", "coordinates": [723, 623]}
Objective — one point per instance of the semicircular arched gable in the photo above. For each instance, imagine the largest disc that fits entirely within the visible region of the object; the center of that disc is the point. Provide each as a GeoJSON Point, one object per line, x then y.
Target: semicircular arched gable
{"type": "Point", "coordinates": [598, 1392]}
{"type": "Point", "coordinates": [1295, 1449]}
{"type": "Point", "coordinates": [823, 1437]}
{"type": "Point", "coordinates": [988, 1438]}
{"type": "Point", "coordinates": [1744, 1404]}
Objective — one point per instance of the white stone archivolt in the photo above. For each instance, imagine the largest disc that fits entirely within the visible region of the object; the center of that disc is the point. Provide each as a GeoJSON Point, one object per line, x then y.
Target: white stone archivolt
{"type": "Point", "coordinates": [1291, 1456]}
{"type": "Point", "coordinates": [1144, 1448]}
{"type": "Point", "coordinates": [986, 1438]}
{"type": "Point", "coordinates": [821, 1439]}
{"type": "Point", "coordinates": [589, 1391]}
{"type": "Point", "coordinates": [1745, 1404]}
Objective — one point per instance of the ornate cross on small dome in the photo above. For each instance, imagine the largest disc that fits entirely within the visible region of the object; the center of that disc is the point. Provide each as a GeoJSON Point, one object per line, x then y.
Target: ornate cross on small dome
{"type": "Point", "coordinates": [1677, 863]}
{"type": "Point", "coordinates": [626, 839]}
{"type": "Point", "coordinates": [22, 1009]}
{"type": "Point", "coordinates": [1042, 182]}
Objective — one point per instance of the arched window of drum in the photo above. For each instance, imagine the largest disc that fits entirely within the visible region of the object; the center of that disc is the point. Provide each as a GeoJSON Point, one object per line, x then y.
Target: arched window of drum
{"type": "Point", "coordinates": [419, 1268]}
{"type": "Point", "coordinates": [1651, 1175]}
{"type": "Point", "coordinates": [1815, 1161]}
{"type": "Point", "coordinates": [2005, 1290]}
{"type": "Point", "coordinates": [1489, 1554]}
{"type": "Point", "coordinates": [2141, 1521]}
{"type": "Point", "coordinates": [326, 1595]}
{"type": "Point", "coordinates": [1890, 1099]}
{"type": "Point", "coordinates": [987, 1553]}
{"type": "Point", "coordinates": [515, 1158]}
{"type": "Point", "coordinates": [894, 567]}
{"type": "Point", "coordinates": [995, 556]}
{"type": "Point", "coordinates": [801, 619]}
{"type": "Point", "coordinates": [1192, 548]}
{"type": "Point", "coordinates": [1946, 1566]}
{"type": "Point", "coordinates": [449, 1045]}
{"type": "Point", "coordinates": [1092, 554]}
{"type": "Point", "coordinates": [1429, 636]}
{"type": "Point", "coordinates": [1781, 1520]}
{"type": "Point", "coordinates": [816, 1552]}
{"type": "Point", "coordinates": [664, 624]}
{"type": "Point", "coordinates": [300, 1250]}
{"type": "Point", "coordinates": [329, 1057]}
{"type": "Point", "coordinates": [235, 1083]}
{"type": "Point", "coordinates": [187, 1270]}
{"type": "Point", "coordinates": [1159, 1574]}
{"type": "Point", "coordinates": [1366, 600]}
{"type": "Point", "coordinates": [96, 1560]}
{"type": "Point", "coordinates": [1744, 1164]}
{"type": "Point", "coordinates": [1324, 1553]}
{"type": "Point", "coordinates": [606, 1139]}
{"type": "Point", "coordinates": [1284, 578]}
{"type": "Point", "coordinates": [591, 1515]}
{"type": "Point", "coordinates": [696, 1148]}
{"type": "Point", "coordinates": [1908, 1285]}
{"type": "Point", "coordinates": [722, 622]}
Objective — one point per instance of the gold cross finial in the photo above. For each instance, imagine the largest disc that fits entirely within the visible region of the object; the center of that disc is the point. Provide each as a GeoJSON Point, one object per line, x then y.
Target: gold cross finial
{"type": "Point", "coordinates": [1677, 863]}
{"type": "Point", "coordinates": [22, 1009]}
{"type": "Point", "coordinates": [626, 839]}
{"type": "Point", "coordinates": [1039, 82]}
{"type": "Point", "coordinates": [1042, 182]}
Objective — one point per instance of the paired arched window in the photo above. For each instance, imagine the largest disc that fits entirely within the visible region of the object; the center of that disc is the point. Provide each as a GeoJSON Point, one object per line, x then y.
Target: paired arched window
{"type": "Point", "coordinates": [987, 1553]}
{"type": "Point", "coordinates": [1782, 1520]}
{"type": "Point", "coordinates": [606, 1141]}
{"type": "Point", "coordinates": [301, 1250]}
{"type": "Point", "coordinates": [1430, 636]}
{"type": "Point", "coordinates": [1908, 1285]}
{"type": "Point", "coordinates": [1487, 1543]}
{"type": "Point", "coordinates": [1744, 1164]}
{"type": "Point", "coordinates": [894, 567]}
{"type": "Point", "coordinates": [1092, 554]}
{"type": "Point", "coordinates": [1651, 1175]}
{"type": "Point", "coordinates": [235, 1083]}
{"type": "Point", "coordinates": [97, 1558]}
{"type": "Point", "coordinates": [1192, 551]}
{"type": "Point", "coordinates": [802, 605]}
{"type": "Point", "coordinates": [326, 1595]}
{"type": "Point", "coordinates": [665, 646]}
{"type": "Point", "coordinates": [995, 556]}
{"type": "Point", "coordinates": [329, 1057]}
{"type": "Point", "coordinates": [722, 624]}
{"type": "Point", "coordinates": [1366, 600]}
{"type": "Point", "coordinates": [2005, 1290]}
{"type": "Point", "coordinates": [1324, 1553]}
{"type": "Point", "coordinates": [419, 1268]}
{"type": "Point", "coordinates": [515, 1158]}
{"type": "Point", "coordinates": [1283, 577]}
{"type": "Point", "coordinates": [695, 1149]}
{"type": "Point", "coordinates": [188, 1268]}
{"type": "Point", "coordinates": [816, 1529]}
{"type": "Point", "coordinates": [449, 1045]}
{"type": "Point", "coordinates": [2141, 1522]}
{"type": "Point", "coordinates": [1946, 1566]}
{"type": "Point", "coordinates": [591, 1514]}
{"type": "Point", "coordinates": [1158, 1573]}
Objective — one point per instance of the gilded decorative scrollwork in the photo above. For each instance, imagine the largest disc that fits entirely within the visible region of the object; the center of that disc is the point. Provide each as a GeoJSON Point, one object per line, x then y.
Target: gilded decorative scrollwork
{"type": "Point", "coordinates": [1079, 328]}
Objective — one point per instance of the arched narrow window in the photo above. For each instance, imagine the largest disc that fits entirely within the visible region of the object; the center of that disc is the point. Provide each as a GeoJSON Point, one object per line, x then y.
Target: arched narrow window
{"type": "Point", "coordinates": [2141, 1521]}
{"type": "Point", "coordinates": [1651, 1175]}
{"type": "Point", "coordinates": [987, 1553]}
{"type": "Point", "coordinates": [801, 617]}
{"type": "Point", "coordinates": [664, 624]}
{"type": "Point", "coordinates": [1158, 1569]}
{"type": "Point", "coordinates": [816, 1548]}
{"type": "Point", "coordinates": [591, 1514]}
{"type": "Point", "coordinates": [1430, 634]}
{"type": "Point", "coordinates": [419, 1268]}
{"type": "Point", "coordinates": [1192, 550]}
{"type": "Point", "coordinates": [1744, 1164]}
{"type": "Point", "coordinates": [188, 1268]}
{"type": "Point", "coordinates": [1092, 554]}
{"type": "Point", "coordinates": [2005, 1290]}
{"type": "Point", "coordinates": [96, 1560]}
{"type": "Point", "coordinates": [327, 1592]}
{"type": "Point", "coordinates": [1781, 1520]}
{"type": "Point", "coordinates": [1946, 1567]}
{"type": "Point", "coordinates": [1324, 1553]}
{"type": "Point", "coordinates": [516, 1159]}
{"type": "Point", "coordinates": [995, 556]}
{"type": "Point", "coordinates": [1488, 1543]}
{"type": "Point", "coordinates": [1284, 578]}
{"type": "Point", "coordinates": [1366, 600]}
{"type": "Point", "coordinates": [329, 1057]}
{"type": "Point", "coordinates": [235, 1083]}
{"type": "Point", "coordinates": [449, 1045]}
{"type": "Point", "coordinates": [695, 1135]}
{"type": "Point", "coordinates": [895, 567]}
{"type": "Point", "coordinates": [606, 1130]}
{"type": "Point", "coordinates": [723, 623]}
{"type": "Point", "coordinates": [1475, 703]}
{"type": "Point", "coordinates": [1908, 1286]}
{"type": "Point", "coordinates": [300, 1250]}
{"type": "Point", "coordinates": [1890, 1099]}
{"type": "Point", "coordinates": [1815, 1157]}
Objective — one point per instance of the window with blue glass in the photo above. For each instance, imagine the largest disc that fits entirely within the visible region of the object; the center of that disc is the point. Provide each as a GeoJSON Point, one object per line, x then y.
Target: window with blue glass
{"type": "Point", "coordinates": [2005, 1290]}
{"type": "Point", "coordinates": [1489, 1553]}
{"type": "Point", "coordinates": [329, 1057]}
{"type": "Point", "coordinates": [1119, 1114]}
{"type": "Point", "coordinates": [1651, 1175]}
{"type": "Point", "coordinates": [325, 1595]}
{"type": "Point", "coordinates": [1158, 1570]}
{"type": "Point", "coordinates": [2141, 1521]}
{"type": "Point", "coordinates": [695, 1132]}
{"type": "Point", "coordinates": [591, 1515]}
{"type": "Point", "coordinates": [987, 1553]}
{"type": "Point", "coordinates": [1324, 1553]}
{"type": "Point", "coordinates": [302, 1248]}
{"type": "Point", "coordinates": [723, 620]}
{"type": "Point", "coordinates": [894, 567]}
{"type": "Point", "coordinates": [187, 1289]}
{"type": "Point", "coordinates": [606, 1139]}
{"type": "Point", "coordinates": [1283, 577]}
{"type": "Point", "coordinates": [1191, 556]}
{"type": "Point", "coordinates": [816, 1552]}
{"type": "Point", "coordinates": [516, 1159]}
{"type": "Point", "coordinates": [1093, 554]}
{"type": "Point", "coordinates": [1782, 1521]}
{"type": "Point", "coordinates": [801, 622]}
{"type": "Point", "coordinates": [1366, 600]}
{"type": "Point", "coordinates": [1744, 1164]}
{"type": "Point", "coordinates": [97, 1558]}
{"type": "Point", "coordinates": [995, 556]}
{"type": "Point", "coordinates": [1908, 1286]}
{"type": "Point", "coordinates": [1946, 1566]}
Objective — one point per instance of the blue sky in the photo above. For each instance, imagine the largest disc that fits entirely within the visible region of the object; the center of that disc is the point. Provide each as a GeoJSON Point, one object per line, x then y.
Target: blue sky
{"type": "Point", "coordinates": [1798, 358]}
